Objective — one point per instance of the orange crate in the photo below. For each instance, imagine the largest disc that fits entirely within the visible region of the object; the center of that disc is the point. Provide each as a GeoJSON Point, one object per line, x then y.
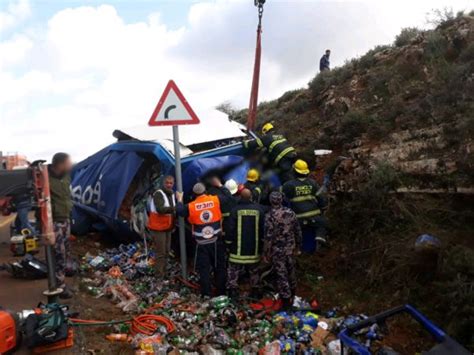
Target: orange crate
{"type": "Point", "coordinates": [63, 344]}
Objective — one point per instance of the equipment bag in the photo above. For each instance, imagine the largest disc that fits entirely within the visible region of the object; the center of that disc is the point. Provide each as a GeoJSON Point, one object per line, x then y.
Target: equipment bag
{"type": "Point", "coordinates": [48, 327]}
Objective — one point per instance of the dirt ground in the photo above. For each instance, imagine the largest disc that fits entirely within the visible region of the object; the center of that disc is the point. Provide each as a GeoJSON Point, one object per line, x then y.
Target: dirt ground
{"type": "Point", "coordinates": [330, 291]}
{"type": "Point", "coordinates": [405, 336]}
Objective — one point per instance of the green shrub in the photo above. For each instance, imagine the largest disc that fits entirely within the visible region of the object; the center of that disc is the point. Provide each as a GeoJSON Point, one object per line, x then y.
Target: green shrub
{"type": "Point", "coordinates": [327, 78]}
{"type": "Point", "coordinates": [467, 55]}
{"type": "Point", "coordinates": [443, 18]}
{"type": "Point", "coordinates": [289, 95]}
{"type": "Point", "coordinates": [368, 59]}
{"type": "Point", "coordinates": [320, 82]}
{"type": "Point", "coordinates": [406, 36]}
{"type": "Point", "coordinates": [457, 285]}
{"type": "Point", "coordinates": [436, 45]}
{"type": "Point", "coordinates": [300, 105]}
{"type": "Point", "coordinates": [353, 125]}
{"type": "Point", "coordinates": [343, 74]}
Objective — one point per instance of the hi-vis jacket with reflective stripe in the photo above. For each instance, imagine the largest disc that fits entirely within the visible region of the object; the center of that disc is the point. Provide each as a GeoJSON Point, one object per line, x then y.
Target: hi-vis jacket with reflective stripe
{"type": "Point", "coordinates": [204, 214]}
{"type": "Point", "coordinates": [276, 145]}
{"type": "Point", "coordinates": [245, 236]}
{"type": "Point", "coordinates": [161, 211]}
{"type": "Point", "coordinates": [256, 189]}
{"type": "Point", "coordinates": [301, 194]}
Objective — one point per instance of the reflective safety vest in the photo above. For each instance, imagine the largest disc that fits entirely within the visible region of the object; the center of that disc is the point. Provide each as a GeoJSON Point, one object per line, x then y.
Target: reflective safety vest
{"type": "Point", "coordinates": [301, 193]}
{"type": "Point", "coordinates": [244, 243]}
{"type": "Point", "coordinates": [206, 218]}
{"type": "Point", "coordinates": [157, 221]}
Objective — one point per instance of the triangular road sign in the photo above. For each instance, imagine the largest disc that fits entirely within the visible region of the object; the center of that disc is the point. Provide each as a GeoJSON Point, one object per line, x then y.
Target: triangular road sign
{"type": "Point", "coordinates": [172, 109]}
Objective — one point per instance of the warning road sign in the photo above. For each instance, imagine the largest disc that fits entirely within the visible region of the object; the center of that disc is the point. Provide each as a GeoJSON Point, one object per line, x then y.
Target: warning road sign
{"type": "Point", "coordinates": [172, 109]}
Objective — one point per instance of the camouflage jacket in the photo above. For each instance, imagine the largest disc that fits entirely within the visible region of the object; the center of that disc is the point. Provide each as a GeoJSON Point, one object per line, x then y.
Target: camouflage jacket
{"type": "Point", "coordinates": [282, 232]}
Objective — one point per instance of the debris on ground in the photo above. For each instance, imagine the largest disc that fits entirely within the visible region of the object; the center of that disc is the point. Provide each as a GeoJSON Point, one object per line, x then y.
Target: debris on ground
{"type": "Point", "coordinates": [191, 323]}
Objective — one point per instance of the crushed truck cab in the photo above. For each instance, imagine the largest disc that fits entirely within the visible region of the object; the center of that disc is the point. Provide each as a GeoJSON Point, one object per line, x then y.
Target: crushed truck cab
{"type": "Point", "coordinates": [110, 187]}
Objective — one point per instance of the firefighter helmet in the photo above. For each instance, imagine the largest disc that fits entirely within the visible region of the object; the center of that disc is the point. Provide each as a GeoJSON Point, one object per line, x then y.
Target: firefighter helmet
{"type": "Point", "coordinates": [301, 167]}
{"type": "Point", "coordinates": [267, 127]}
{"type": "Point", "coordinates": [253, 175]}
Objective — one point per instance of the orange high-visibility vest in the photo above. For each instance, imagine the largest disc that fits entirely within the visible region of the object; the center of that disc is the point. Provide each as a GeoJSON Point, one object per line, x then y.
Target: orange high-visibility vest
{"type": "Point", "coordinates": [205, 217]}
{"type": "Point", "coordinates": [157, 221]}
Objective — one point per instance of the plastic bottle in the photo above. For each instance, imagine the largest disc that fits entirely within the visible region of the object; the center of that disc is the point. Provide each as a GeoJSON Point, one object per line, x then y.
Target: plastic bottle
{"type": "Point", "coordinates": [220, 302]}
{"type": "Point", "coordinates": [117, 337]}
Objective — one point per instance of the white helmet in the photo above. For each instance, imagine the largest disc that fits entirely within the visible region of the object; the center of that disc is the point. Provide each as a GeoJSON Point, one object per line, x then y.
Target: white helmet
{"type": "Point", "coordinates": [232, 186]}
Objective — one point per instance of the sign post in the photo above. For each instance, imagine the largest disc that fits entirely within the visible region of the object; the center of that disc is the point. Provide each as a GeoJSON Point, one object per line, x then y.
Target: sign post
{"type": "Point", "coordinates": [179, 186]}
{"type": "Point", "coordinates": [174, 110]}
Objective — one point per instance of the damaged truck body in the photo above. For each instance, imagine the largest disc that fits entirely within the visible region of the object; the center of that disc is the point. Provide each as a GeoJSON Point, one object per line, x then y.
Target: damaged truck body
{"type": "Point", "coordinates": [110, 189]}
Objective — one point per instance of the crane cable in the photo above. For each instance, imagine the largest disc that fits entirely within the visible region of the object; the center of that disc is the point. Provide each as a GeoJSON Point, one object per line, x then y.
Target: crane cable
{"type": "Point", "coordinates": [252, 114]}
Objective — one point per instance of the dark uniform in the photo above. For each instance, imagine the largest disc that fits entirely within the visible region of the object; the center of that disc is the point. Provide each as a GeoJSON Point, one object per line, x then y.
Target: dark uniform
{"type": "Point", "coordinates": [256, 189]}
{"type": "Point", "coordinates": [204, 215]}
{"type": "Point", "coordinates": [301, 193]}
{"type": "Point", "coordinates": [61, 206]}
{"type": "Point", "coordinates": [281, 154]}
{"type": "Point", "coordinates": [244, 239]}
{"type": "Point", "coordinates": [228, 202]}
{"type": "Point", "coordinates": [282, 239]}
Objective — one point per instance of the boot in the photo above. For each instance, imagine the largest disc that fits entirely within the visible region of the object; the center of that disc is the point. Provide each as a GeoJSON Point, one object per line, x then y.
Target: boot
{"type": "Point", "coordinates": [234, 295]}
{"type": "Point", "coordinates": [66, 294]}
{"type": "Point", "coordinates": [286, 304]}
{"type": "Point", "coordinates": [256, 293]}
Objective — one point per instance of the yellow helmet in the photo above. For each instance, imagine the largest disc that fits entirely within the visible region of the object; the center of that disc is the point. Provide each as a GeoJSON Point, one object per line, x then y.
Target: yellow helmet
{"type": "Point", "coordinates": [267, 127]}
{"type": "Point", "coordinates": [301, 167]}
{"type": "Point", "coordinates": [253, 175]}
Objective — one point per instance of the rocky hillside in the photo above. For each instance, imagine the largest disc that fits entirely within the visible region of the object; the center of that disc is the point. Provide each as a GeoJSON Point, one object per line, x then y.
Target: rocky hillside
{"type": "Point", "coordinates": [410, 105]}
{"type": "Point", "coordinates": [403, 115]}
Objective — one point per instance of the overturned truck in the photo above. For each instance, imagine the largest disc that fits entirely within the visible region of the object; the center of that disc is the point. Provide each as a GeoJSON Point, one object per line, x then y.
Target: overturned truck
{"type": "Point", "coordinates": [110, 189]}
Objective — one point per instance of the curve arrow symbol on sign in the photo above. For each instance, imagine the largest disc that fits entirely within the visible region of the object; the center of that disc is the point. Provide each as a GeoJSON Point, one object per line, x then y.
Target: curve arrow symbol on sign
{"type": "Point", "coordinates": [167, 111]}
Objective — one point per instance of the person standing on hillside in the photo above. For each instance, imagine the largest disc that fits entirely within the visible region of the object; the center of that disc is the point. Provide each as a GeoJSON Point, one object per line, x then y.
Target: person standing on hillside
{"type": "Point", "coordinates": [282, 242]}
{"type": "Point", "coordinates": [61, 204]}
{"type": "Point", "coordinates": [162, 209]}
{"type": "Point", "coordinates": [324, 61]}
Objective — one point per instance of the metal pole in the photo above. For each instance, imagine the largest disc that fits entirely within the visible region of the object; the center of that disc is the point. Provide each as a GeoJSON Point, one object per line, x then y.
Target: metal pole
{"type": "Point", "coordinates": [179, 186]}
{"type": "Point", "coordinates": [47, 230]}
{"type": "Point", "coordinates": [53, 291]}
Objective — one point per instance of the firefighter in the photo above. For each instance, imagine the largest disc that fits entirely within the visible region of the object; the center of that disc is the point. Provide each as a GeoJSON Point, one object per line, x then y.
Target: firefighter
{"type": "Point", "coordinates": [302, 195]}
{"type": "Point", "coordinates": [244, 240]}
{"type": "Point", "coordinates": [282, 243]}
{"type": "Point", "coordinates": [280, 153]}
{"type": "Point", "coordinates": [61, 205]}
{"type": "Point", "coordinates": [205, 216]}
{"type": "Point", "coordinates": [253, 184]}
{"type": "Point", "coordinates": [162, 208]}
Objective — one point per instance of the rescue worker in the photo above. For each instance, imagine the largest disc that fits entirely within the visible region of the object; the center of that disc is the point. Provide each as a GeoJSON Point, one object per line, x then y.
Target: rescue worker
{"type": "Point", "coordinates": [205, 216]}
{"type": "Point", "coordinates": [280, 153]}
{"type": "Point", "coordinates": [61, 204]}
{"type": "Point", "coordinates": [302, 195]}
{"type": "Point", "coordinates": [282, 243]}
{"type": "Point", "coordinates": [254, 185]}
{"type": "Point", "coordinates": [161, 223]}
{"type": "Point", "coordinates": [227, 206]}
{"type": "Point", "coordinates": [244, 239]}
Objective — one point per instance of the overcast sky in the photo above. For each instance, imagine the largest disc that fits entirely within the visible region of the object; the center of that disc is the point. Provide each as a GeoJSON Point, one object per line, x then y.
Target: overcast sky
{"type": "Point", "coordinates": [72, 71]}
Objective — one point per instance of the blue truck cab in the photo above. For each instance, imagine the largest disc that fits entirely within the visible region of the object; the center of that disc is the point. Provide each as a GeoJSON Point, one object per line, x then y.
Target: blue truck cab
{"type": "Point", "coordinates": [109, 188]}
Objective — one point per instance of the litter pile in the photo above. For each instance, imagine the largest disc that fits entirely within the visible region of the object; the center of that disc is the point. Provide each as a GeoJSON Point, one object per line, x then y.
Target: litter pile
{"type": "Point", "coordinates": [172, 316]}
